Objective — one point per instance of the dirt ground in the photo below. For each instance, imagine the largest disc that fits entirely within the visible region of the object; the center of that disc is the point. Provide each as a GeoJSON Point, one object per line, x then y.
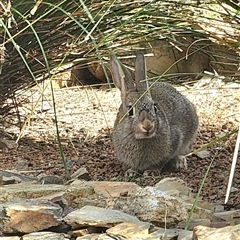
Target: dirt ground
{"type": "Point", "coordinates": [85, 119]}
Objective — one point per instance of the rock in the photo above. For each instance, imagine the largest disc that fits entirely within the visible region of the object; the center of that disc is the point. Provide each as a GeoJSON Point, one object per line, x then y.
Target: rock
{"type": "Point", "coordinates": [26, 216]}
{"type": "Point", "coordinates": [16, 176]}
{"type": "Point", "coordinates": [148, 204]}
{"type": "Point", "coordinates": [81, 173]}
{"type": "Point", "coordinates": [105, 237]}
{"type": "Point", "coordinates": [21, 165]}
{"type": "Point", "coordinates": [58, 198]}
{"type": "Point", "coordinates": [222, 219]}
{"type": "Point", "coordinates": [102, 190]}
{"type": "Point", "coordinates": [143, 231]}
{"type": "Point", "coordinates": [89, 237]}
{"type": "Point", "coordinates": [203, 154]}
{"type": "Point", "coordinates": [100, 217]}
{"type": "Point", "coordinates": [113, 189]}
{"type": "Point", "coordinates": [80, 232]}
{"type": "Point", "coordinates": [10, 238]}
{"type": "Point", "coordinates": [185, 235]}
{"type": "Point", "coordinates": [45, 235]}
{"type": "Point", "coordinates": [128, 211]}
{"type": "Point", "coordinates": [8, 144]}
{"type": "Point", "coordinates": [50, 179]}
{"type": "Point", "coordinates": [166, 234]}
{"type": "Point", "coordinates": [97, 70]}
{"type": "Point", "coordinates": [61, 76]}
{"type": "Point", "coordinates": [194, 223]}
{"type": "Point", "coordinates": [123, 231]}
{"type": "Point", "coordinates": [130, 230]}
{"type": "Point", "coordinates": [152, 205]}
{"type": "Point", "coordinates": [234, 189]}
{"type": "Point", "coordinates": [218, 208]}
{"type": "Point", "coordinates": [207, 233]}
{"type": "Point", "coordinates": [174, 186]}
{"type": "Point", "coordinates": [8, 180]}
{"type": "Point", "coordinates": [28, 190]}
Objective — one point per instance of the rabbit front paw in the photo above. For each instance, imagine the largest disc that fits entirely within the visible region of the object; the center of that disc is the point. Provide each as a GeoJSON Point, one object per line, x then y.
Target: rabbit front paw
{"type": "Point", "coordinates": [151, 173]}
{"type": "Point", "coordinates": [175, 164]}
{"type": "Point", "coordinates": [181, 163]}
{"type": "Point", "coordinates": [131, 174]}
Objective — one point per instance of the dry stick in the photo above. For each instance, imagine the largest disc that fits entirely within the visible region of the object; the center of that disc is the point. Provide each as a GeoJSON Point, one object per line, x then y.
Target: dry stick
{"type": "Point", "coordinates": [234, 162]}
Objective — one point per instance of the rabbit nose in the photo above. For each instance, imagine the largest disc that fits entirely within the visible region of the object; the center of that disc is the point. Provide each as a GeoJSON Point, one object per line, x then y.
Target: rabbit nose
{"type": "Point", "coordinates": [148, 126]}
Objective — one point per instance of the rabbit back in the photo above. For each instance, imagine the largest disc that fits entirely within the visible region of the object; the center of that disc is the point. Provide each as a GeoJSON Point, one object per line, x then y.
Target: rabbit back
{"type": "Point", "coordinates": [181, 115]}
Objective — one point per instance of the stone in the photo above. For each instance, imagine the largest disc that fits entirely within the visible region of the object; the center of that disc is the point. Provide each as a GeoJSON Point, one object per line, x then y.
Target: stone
{"type": "Point", "coordinates": [166, 234]}
{"type": "Point", "coordinates": [113, 189]}
{"type": "Point", "coordinates": [21, 165]}
{"type": "Point", "coordinates": [29, 215]}
{"type": "Point", "coordinates": [92, 236]}
{"type": "Point", "coordinates": [45, 235]}
{"type": "Point", "coordinates": [29, 190]}
{"type": "Point", "coordinates": [89, 237]}
{"type": "Point", "coordinates": [149, 204]}
{"type": "Point", "coordinates": [10, 238]}
{"type": "Point", "coordinates": [80, 232]}
{"type": "Point", "coordinates": [185, 235]}
{"type": "Point", "coordinates": [58, 198]}
{"type": "Point", "coordinates": [127, 211]}
{"type": "Point", "coordinates": [81, 173]}
{"type": "Point", "coordinates": [102, 190]}
{"type": "Point", "coordinates": [152, 205]}
{"type": "Point", "coordinates": [50, 179]}
{"type": "Point", "coordinates": [16, 176]}
{"type": "Point", "coordinates": [203, 154]}
{"type": "Point", "coordinates": [207, 233]}
{"type": "Point", "coordinates": [8, 180]}
{"type": "Point", "coordinates": [96, 216]}
{"type": "Point", "coordinates": [194, 223]}
{"type": "Point", "coordinates": [97, 70]}
{"type": "Point", "coordinates": [227, 217]}
{"type": "Point", "coordinates": [8, 144]}
{"type": "Point", "coordinates": [141, 230]}
{"type": "Point", "coordinates": [130, 230]}
{"type": "Point", "coordinates": [106, 237]}
{"type": "Point", "coordinates": [174, 186]}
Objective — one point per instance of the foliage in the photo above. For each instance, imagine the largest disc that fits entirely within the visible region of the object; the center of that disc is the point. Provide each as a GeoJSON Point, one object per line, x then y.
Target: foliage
{"type": "Point", "coordinates": [39, 36]}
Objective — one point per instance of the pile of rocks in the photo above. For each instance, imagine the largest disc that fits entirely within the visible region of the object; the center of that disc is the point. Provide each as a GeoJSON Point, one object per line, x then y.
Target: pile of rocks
{"type": "Point", "coordinates": [110, 210]}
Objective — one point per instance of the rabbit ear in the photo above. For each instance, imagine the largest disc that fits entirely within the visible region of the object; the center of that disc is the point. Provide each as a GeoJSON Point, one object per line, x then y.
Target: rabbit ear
{"type": "Point", "coordinates": [121, 76]}
{"type": "Point", "coordinates": [140, 71]}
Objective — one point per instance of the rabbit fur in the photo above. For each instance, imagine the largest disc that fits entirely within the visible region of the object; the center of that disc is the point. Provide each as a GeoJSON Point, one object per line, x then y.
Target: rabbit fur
{"type": "Point", "coordinates": [154, 128]}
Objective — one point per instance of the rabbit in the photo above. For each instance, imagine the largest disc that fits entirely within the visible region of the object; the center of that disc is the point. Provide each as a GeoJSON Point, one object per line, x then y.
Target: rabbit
{"type": "Point", "coordinates": [155, 127]}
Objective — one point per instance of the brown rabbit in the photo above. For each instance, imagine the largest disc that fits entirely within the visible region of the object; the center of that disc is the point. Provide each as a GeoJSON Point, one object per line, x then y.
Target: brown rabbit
{"type": "Point", "coordinates": [154, 128]}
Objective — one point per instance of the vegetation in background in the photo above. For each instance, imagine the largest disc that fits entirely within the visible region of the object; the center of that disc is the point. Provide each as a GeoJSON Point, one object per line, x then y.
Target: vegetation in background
{"type": "Point", "coordinates": [38, 36]}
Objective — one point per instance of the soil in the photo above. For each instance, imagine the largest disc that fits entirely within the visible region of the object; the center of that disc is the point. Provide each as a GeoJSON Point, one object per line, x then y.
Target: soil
{"type": "Point", "coordinates": [85, 118]}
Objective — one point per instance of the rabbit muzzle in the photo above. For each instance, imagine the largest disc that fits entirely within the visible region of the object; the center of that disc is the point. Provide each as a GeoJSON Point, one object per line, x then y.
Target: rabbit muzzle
{"type": "Point", "coordinates": [145, 129]}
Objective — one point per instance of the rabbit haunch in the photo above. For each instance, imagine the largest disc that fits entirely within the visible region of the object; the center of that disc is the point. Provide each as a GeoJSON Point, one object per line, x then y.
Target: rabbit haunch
{"type": "Point", "coordinates": [154, 128]}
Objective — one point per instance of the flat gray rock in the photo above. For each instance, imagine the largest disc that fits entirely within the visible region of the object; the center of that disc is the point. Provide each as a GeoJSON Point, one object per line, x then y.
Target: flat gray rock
{"type": "Point", "coordinates": [99, 217]}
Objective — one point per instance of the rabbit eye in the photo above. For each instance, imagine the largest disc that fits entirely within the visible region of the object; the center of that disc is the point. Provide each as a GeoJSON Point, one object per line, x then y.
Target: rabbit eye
{"type": "Point", "coordinates": [130, 111]}
{"type": "Point", "coordinates": [155, 108]}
